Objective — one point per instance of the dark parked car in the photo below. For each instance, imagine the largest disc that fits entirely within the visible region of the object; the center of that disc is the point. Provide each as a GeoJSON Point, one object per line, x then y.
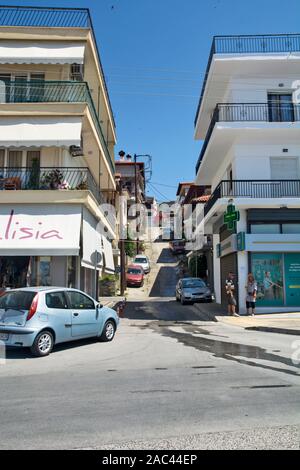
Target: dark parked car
{"type": "Point", "coordinates": [177, 247]}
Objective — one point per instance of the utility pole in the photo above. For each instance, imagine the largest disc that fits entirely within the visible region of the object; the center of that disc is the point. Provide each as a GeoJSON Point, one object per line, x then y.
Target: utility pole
{"type": "Point", "coordinates": [136, 171]}
{"type": "Point", "coordinates": [121, 241]}
{"type": "Point", "coordinates": [136, 202]}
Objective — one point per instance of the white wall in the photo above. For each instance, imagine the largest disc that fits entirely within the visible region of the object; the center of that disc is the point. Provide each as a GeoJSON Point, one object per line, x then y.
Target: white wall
{"type": "Point", "coordinates": [221, 173]}
{"type": "Point", "coordinates": [217, 269]}
{"type": "Point", "coordinates": [253, 161]}
{"type": "Point", "coordinates": [255, 90]}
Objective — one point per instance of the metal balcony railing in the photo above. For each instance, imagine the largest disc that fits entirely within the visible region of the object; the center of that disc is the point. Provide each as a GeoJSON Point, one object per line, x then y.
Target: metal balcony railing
{"type": "Point", "coordinates": [45, 17]}
{"type": "Point", "coordinates": [250, 112]}
{"type": "Point", "coordinates": [42, 91]}
{"type": "Point", "coordinates": [256, 189]}
{"type": "Point", "coordinates": [49, 178]}
{"type": "Point", "coordinates": [250, 44]}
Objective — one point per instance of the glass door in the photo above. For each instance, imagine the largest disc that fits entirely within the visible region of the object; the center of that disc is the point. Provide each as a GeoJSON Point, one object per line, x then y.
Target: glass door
{"type": "Point", "coordinates": [281, 108]}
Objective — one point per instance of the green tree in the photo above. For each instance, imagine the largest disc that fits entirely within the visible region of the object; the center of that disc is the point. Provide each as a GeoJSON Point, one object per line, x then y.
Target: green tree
{"type": "Point", "coordinates": [130, 247]}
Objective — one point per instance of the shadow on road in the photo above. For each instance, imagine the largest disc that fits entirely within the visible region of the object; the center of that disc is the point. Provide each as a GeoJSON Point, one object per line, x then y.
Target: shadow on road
{"type": "Point", "coordinates": [166, 311]}
{"type": "Point", "coordinates": [165, 283]}
{"type": "Point", "coordinates": [166, 257]}
{"type": "Point", "coordinates": [24, 353]}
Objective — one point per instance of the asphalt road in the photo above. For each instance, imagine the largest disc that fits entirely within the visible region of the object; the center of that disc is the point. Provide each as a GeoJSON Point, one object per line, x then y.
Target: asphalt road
{"type": "Point", "coordinates": [172, 378]}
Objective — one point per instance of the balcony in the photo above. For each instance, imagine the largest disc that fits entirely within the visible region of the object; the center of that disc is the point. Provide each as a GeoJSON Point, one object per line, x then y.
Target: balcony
{"type": "Point", "coordinates": [49, 178]}
{"type": "Point", "coordinates": [45, 17]}
{"type": "Point", "coordinates": [250, 112]}
{"type": "Point", "coordinates": [42, 91]}
{"type": "Point", "coordinates": [256, 189]}
{"type": "Point", "coordinates": [256, 44]}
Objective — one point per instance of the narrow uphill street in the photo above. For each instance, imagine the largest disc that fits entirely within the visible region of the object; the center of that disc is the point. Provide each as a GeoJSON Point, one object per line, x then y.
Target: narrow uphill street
{"type": "Point", "coordinates": [173, 378]}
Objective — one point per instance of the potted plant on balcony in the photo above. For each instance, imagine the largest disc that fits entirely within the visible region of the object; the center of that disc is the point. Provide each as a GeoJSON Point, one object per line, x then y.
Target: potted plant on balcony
{"type": "Point", "coordinates": [82, 185]}
{"type": "Point", "coordinates": [53, 179]}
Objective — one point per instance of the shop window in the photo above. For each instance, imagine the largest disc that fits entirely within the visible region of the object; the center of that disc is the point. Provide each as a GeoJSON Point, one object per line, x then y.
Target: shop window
{"type": "Point", "coordinates": [265, 228]}
{"type": "Point", "coordinates": [267, 269]}
{"type": "Point", "coordinates": [71, 271]}
{"type": "Point", "coordinates": [41, 271]}
{"type": "Point", "coordinates": [290, 228]}
{"type": "Point", "coordinates": [14, 271]}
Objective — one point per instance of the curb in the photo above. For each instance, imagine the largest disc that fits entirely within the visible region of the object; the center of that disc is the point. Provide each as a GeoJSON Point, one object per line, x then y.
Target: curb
{"type": "Point", "coordinates": [270, 329]}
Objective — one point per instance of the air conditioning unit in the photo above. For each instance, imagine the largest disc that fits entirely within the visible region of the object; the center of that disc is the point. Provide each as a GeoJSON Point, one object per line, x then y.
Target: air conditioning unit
{"type": "Point", "coordinates": [77, 72]}
{"type": "Point", "coordinates": [76, 151]}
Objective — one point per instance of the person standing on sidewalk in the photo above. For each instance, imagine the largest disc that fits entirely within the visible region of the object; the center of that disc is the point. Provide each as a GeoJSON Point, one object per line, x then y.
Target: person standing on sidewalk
{"type": "Point", "coordinates": [231, 300]}
{"type": "Point", "coordinates": [251, 294]}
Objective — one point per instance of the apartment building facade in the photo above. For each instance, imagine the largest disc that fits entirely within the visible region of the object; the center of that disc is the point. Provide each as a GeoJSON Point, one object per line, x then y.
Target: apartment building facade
{"type": "Point", "coordinates": [57, 137]}
{"type": "Point", "coordinates": [249, 120]}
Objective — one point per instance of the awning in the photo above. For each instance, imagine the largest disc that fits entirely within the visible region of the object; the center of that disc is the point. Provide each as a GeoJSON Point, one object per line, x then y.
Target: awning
{"type": "Point", "coordinates": [22, 52]}
{"type": "Point", "coordinates": [40, 131]}
{"type": "Point", "coordinates": [92, 256]}
{"type": "Point", "coordinates": [108, 256]}
{"type": "Point", "coordinates": [39, 230]}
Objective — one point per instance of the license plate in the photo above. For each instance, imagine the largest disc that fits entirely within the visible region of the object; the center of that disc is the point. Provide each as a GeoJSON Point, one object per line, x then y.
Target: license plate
{"type": "Point", "coordinates": [3, 336]}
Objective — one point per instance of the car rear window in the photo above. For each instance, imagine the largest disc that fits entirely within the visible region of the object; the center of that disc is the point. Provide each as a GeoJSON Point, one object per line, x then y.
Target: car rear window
{"type": "Point", "coordinates": [141, 260]}
{"type": "Point", "coordinates": [17, 299]}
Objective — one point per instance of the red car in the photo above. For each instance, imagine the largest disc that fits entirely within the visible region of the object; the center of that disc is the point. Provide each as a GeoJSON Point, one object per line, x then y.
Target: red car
{"type": "Point", "coordinates": [135, 275]}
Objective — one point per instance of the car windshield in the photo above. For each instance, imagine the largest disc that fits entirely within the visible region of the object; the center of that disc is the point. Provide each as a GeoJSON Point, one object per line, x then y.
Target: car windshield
{"type": "Point", "coordinates": [20, 300]}
{"type": "Point", "coordinates": [193, 283]}
{"type": "Point", "coordinates": [140, 260]}
{"type": "Point", "coordinates": [134, 271]}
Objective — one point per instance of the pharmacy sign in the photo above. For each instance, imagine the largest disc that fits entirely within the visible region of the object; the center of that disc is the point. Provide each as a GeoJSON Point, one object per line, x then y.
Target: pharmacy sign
{"type": "Point", "coordinates": [231, 217]}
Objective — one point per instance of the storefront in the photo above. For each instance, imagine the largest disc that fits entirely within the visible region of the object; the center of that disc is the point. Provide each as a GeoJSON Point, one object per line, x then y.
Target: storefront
{"type": "Point", "coordinates": [278, 279]}
{"type": "Point", "coordinates": [43, 244]}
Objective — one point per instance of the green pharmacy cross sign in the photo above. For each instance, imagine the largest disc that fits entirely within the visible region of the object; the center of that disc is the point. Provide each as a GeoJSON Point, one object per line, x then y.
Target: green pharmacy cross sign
{"type": "Point", "coordinates": [231, 217]}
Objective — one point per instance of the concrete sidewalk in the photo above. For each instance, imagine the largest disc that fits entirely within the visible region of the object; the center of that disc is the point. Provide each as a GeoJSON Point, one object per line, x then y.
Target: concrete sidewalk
{"type": "Point", "coordinates": [284, 323]}
{"type": "Point", "coordinates": [112, 302]}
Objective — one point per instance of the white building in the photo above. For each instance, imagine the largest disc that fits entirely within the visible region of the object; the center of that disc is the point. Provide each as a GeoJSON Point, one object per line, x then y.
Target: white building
{"type": "Point", "coordinates": [57, 137]}
{"type": "Point", "coordinates": [249, 120]}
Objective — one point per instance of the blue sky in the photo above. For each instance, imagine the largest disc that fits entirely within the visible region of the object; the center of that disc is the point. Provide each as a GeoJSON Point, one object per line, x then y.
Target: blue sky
{"type": "Point", "coordinates": [154, 54]}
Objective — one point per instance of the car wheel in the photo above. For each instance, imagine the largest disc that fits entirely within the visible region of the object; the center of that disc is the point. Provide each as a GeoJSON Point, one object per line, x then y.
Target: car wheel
{"type": "Point", "coordinates": [183, 302]}
{"type": "Point", "coordinates": [43, 344]}
{"type": "Point", "coordinates": [108, 332]}
{"type": "Point", "coordinates": [177, 298]}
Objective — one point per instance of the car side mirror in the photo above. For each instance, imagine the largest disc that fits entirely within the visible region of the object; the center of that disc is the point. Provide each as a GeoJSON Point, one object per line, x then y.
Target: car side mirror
{"type": "Point", "coordinates": [99, 306]}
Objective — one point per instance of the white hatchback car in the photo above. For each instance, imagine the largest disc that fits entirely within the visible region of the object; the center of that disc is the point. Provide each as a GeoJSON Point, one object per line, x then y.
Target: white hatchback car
{"type": "Point", "coordinates": [142, 260]}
